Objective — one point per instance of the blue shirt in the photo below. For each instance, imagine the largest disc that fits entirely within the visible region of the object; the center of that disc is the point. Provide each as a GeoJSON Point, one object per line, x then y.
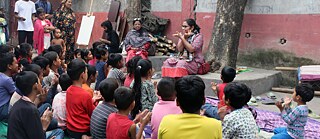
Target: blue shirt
{"type": "Point", "coordinates": [296, 120]}
{"type": "Point", "coordinates": [7, 88]}
{"type": "Point", "coordinates": [101, 75]}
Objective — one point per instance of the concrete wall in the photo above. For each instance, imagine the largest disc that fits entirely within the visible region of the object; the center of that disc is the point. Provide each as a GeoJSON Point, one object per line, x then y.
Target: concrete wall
{"type": "Point", "coordinates": [267, 21]}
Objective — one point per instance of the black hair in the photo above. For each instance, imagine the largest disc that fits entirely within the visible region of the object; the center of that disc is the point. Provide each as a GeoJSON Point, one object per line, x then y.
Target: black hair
{"type": "Point", "coordinates": [107, 24]}
{"type": "Point", "coordinates": [132, 65]}
{"type": "Point", "coordinates": [114, 59]}
{"type": "Point", "coordinates": [123, 97]}
{"type": "Point", "coordinates": [91, 70]}
{"type": "Point", "coordinates": [65, 81]}
{"type": "Point", "coordinates": [23, 62]}
{"type": "Point", "coordinates": [107, 88]}
{"type": "Point", "coordinates": [76, 52]}
{"type": "Point", "coordinates": [51, 56]}
{"type": "Point", "coordinates": [55, 30]}
{"type": "Point", "coordinates": [143, 67]}
{"type": "Point", "coordinates": [23, 51]}
{"type": "Point", "coordinates": [305, 91]}
{"type": "Point", "coordinates": [75, 68]}
{"type": "Point", "coordinates": [32, 67]}
{"type": "Point", "coordinates": [228, 74]}
{"type": "Point", "coordinates": [25, 81]}
{"type": "Point", "coordinates": [137, 19]}
{"type": "Point", "coordinates": [42, 61]}
{"type": "Point", "coordinates": [94, 48]}
{"type": "Point", "coordinates": [248, 94]}
{"type": "Point", "coordinates": [237, 94]}
{"type": "Point", "coordinates": [166, 88]}
{"type": "Point", "coordinates": [5, 60]}
{"type": "Point", "coordinates": [192, 23]}
{"type": "Point", "coordinates": [40, 10]}
{"type": "Point", "coordinates": [190, 93]}
{"type": "Point", "coordinates": [84, 54]}
{"type": "Point", "coordinates": [5, 49]}
{"type": "Point", "coordinates": [100, 52]}
{"type": "Point", "coordinates": [56, 48]}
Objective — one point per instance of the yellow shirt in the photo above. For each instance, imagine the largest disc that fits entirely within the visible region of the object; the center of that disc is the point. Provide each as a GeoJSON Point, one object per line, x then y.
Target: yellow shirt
{"type": "Point", "coordinates": [88, 89]}
{"type": "Point", "coordinates": [189, 126]}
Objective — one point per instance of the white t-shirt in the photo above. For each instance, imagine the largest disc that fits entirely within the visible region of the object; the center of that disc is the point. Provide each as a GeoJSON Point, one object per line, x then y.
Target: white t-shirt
{"type": "Point", "coordinates": [25, 9]}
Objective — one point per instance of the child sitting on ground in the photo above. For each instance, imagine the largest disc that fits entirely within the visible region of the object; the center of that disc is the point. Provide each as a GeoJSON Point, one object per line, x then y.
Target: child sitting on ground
{"type": "Point", "coordinates": [59, 101]}
{"type": "Point", "coordinates": [227, 75]}
{"type": "Point", "coordinates": [131, 68]}
{"type": "Point", "coordinates": [239, 123]}
{"type": "Point", "coordinates": [92, 76]}
{"type": "Point", "coordinates": [101, 66]}
{"type": "Point", "coordinates": [116, 62]}
{"type": "Point", "coordinates": [296, 118]}
{"type": "Point", "coordinates": [57, 40]}
{"type": "Point", "coordinates": [54, 63]}
{"type": "Point", "coordinates": [166, 105]}
{"type": "Point", "coordinates": [77, 54]}
{"type": "Point", "coordinates": [101, 113]}
{"type": "Point", "coordinates": [24, 52]}
{"type": "Point", "coordinates": [143, 87]}
{"type": "Point", "coordinates": [119, 126]}
{"type": "Point", "coordinates": [93, 52]}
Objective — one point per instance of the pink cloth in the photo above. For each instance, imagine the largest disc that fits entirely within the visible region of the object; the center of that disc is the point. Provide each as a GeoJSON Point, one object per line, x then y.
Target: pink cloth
{"type": "Point", "coordinates": [161, 109]}
{"type": "Point", "coordinates": [92, 62]}
{"type": "Point", "coordinates": [128, 81]}
{"type": "Point", "coordinates": [38, 34]}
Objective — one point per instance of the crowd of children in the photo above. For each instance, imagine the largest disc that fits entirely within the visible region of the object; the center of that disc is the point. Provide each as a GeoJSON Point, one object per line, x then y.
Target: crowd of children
{"type": "Point", "coordinates": [97, 95]}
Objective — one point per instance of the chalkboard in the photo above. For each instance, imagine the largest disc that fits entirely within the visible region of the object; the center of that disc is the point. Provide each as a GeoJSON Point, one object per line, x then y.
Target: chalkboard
{"type": "Point", "coordinates": [85, 30]}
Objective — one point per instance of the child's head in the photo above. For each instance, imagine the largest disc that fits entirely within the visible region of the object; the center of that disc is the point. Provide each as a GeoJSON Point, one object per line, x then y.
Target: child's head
{"type": "Point", "coordinates": [124, 98]}
{"type": "Point", "coordinates": [86, 55]}
{"type": "Point", "coordinates": [166, 89]}
{"type": "Point", "coordinates": [190, 93]}
{"type": "Point", "coordinates": [303, 93]}
{"type": "Point", "coordinates": [57, 49]}
{"type": "Point", "coordinates": [43, 63]}
{"type": "Point", "coordinates": [41, 14]}
{"type": "Point", "coordinates": [57, 33]}
{"type": "Point", "coordinates": [92, 74]}
{"type": "Point", "coordinates": [25, 51]}
{"type": "Point", "coordinates": [236, 95]}
{"type": "Point", "coordinates": [77, 70]}
{"type": "Point", "coordinates": [107, 88]}
{"type": "Point", "coordinates": [27, 82]}
{"type": "Point", "coordinates": [65, 81]}
{"type": "Point", "coordinates": [228, 74]}
{"type": "Point", "coordinates": [34, 68]}
{"type": "Point", "coordinates": [115, 60]}
{"type": "Point", "coordinates": [54, 60]}
{"type": "Point", "coordinates": [6, 49]}
{"type": "Point", "coordinates": [94, 48]}
{"type": "Point", "coordinates": [132, 65]}
{"type": "Point", "coordinates": [102, 53]}
{"type": "Point", "coordinates": [8, 63]}
{"type": "Point", "coordinates": [77, 53]}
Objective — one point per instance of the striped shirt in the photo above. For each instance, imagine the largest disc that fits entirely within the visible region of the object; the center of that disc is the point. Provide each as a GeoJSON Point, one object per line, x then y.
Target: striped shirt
{"type": "Point", "coordinates": [99, 120]}
{"type": "Point", "coordinates": [296, 120]}
{"type": "Point", "coordinates": [118, 75]}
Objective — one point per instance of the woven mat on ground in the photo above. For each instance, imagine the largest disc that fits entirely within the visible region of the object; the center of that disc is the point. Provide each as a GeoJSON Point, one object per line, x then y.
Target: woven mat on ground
{"type": "Point", "coordinates": [268, 121]}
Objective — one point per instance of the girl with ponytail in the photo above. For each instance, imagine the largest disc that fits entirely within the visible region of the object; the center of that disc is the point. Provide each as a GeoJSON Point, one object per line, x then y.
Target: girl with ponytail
{"type": "Point", "coordinates": [142, 86]}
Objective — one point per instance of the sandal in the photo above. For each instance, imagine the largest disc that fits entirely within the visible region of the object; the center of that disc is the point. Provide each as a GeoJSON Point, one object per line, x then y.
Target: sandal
{"type": "Point", "coordinates": [271, 95]}
{"type": "Point", "coordinates": [268, 101]}
{"type": "Point", "coordinates": [313, 115]}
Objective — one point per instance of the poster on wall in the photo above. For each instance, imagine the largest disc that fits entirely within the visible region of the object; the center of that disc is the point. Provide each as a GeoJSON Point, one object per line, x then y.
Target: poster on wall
{"type": "Point", "coordinates": [85, 30]}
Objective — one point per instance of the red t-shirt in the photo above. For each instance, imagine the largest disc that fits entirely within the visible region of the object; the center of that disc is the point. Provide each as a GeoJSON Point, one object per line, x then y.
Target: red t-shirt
{"type": "Point", "coordinates": [221, 94]}
{"type": "Point", "coordinates": [119, 126]}
{"type": "Point", "coordinates": [79, 108]}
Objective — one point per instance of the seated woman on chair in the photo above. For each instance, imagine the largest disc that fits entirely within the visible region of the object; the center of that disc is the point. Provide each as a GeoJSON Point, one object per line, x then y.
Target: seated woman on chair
{"type": "Point", "coordinates": [190, 40]}
{"type": "Point", "coordinates": [137, 41]}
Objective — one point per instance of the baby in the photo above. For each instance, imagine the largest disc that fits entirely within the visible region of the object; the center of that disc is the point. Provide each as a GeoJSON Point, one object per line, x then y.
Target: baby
{"type": "Point", "coordinates": [57, 39]}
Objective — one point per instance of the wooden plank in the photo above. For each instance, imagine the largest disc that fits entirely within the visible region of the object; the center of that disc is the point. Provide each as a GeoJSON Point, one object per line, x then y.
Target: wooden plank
{"type": "Point", "coordinates": [286, 68]}
{"type": "Point", "coordinates": [114, 11]}
{"type": "Point", "coordinates": [288, 90]}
